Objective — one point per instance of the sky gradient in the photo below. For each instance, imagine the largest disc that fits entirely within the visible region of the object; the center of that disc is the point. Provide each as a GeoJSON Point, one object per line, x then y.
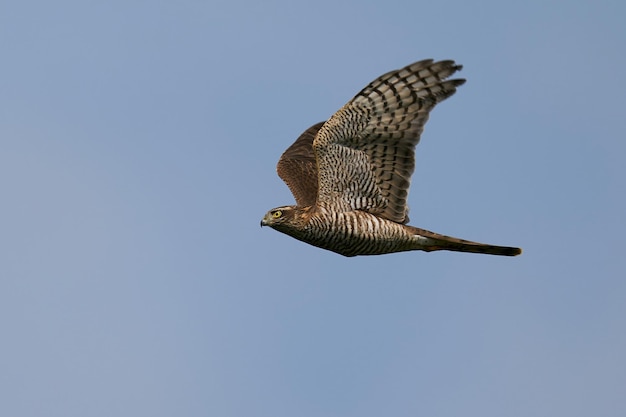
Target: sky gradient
{"type": "Point", "coordinates": [138, 144]}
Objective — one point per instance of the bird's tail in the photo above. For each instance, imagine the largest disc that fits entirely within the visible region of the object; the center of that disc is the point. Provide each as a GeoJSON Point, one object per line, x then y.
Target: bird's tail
{"type": "Point", "coordinates": [435, 241]}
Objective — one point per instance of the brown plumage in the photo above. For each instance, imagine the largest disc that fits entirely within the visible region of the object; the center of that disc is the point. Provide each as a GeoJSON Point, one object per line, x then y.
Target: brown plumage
{"type": "Point", "coordinates": [350, 175]}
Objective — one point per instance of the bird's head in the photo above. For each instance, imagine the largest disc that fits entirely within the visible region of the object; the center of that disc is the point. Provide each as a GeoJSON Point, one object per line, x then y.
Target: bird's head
{"type": "Point", "coordinates": [278, 216]}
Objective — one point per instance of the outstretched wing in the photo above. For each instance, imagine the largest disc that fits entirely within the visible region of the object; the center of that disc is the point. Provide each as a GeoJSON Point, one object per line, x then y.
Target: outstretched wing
{"type": "Point", "coordinates": [365, 151]}
{"type": "Point", "coordinates": [298, 168]}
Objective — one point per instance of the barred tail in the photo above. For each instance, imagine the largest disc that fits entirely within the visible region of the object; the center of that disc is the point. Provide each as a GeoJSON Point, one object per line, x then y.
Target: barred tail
{"type": "Point", "coordinates": [435, 241]}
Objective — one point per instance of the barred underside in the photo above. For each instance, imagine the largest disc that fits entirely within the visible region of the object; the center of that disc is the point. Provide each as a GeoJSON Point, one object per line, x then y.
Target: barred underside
{"type": "Point", "coordinates": [354, 233]}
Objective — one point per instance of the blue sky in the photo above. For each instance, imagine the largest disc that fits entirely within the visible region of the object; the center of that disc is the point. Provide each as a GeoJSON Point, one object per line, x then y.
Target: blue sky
{"type": "Point", "coordinates": [138, 148]}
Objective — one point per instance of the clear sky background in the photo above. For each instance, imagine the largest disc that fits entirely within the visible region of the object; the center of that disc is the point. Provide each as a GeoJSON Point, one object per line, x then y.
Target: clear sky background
{"type": "Point", "coordinates": [138, 143]}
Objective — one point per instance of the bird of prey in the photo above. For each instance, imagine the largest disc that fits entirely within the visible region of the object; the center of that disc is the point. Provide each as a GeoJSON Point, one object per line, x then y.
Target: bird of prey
{"type": "Point", "coordinates": [350, 175]}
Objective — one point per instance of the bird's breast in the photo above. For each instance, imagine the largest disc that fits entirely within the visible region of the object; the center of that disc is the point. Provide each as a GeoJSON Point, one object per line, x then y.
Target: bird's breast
{"type": "Point", "coordinates": [356, 232]}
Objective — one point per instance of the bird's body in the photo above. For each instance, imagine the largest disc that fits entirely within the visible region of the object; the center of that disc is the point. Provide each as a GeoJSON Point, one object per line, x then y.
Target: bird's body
{"type": "Point", "coordinates": [356, 232]}
{"type": "Point", "coordinates": [348, 233]}
{"type": "Point", "coordinates": [351, 174]}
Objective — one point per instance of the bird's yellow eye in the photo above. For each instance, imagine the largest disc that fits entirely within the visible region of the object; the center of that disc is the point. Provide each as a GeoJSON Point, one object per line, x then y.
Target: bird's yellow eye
{"type": "Point", "coordinates": [276, 214]}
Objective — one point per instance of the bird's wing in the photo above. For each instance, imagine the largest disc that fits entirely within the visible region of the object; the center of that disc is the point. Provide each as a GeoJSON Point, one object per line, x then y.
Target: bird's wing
{"type": "Point", "coordinates": [365, 151]}
{"type": "Point", "coordinates": [298, 168]}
